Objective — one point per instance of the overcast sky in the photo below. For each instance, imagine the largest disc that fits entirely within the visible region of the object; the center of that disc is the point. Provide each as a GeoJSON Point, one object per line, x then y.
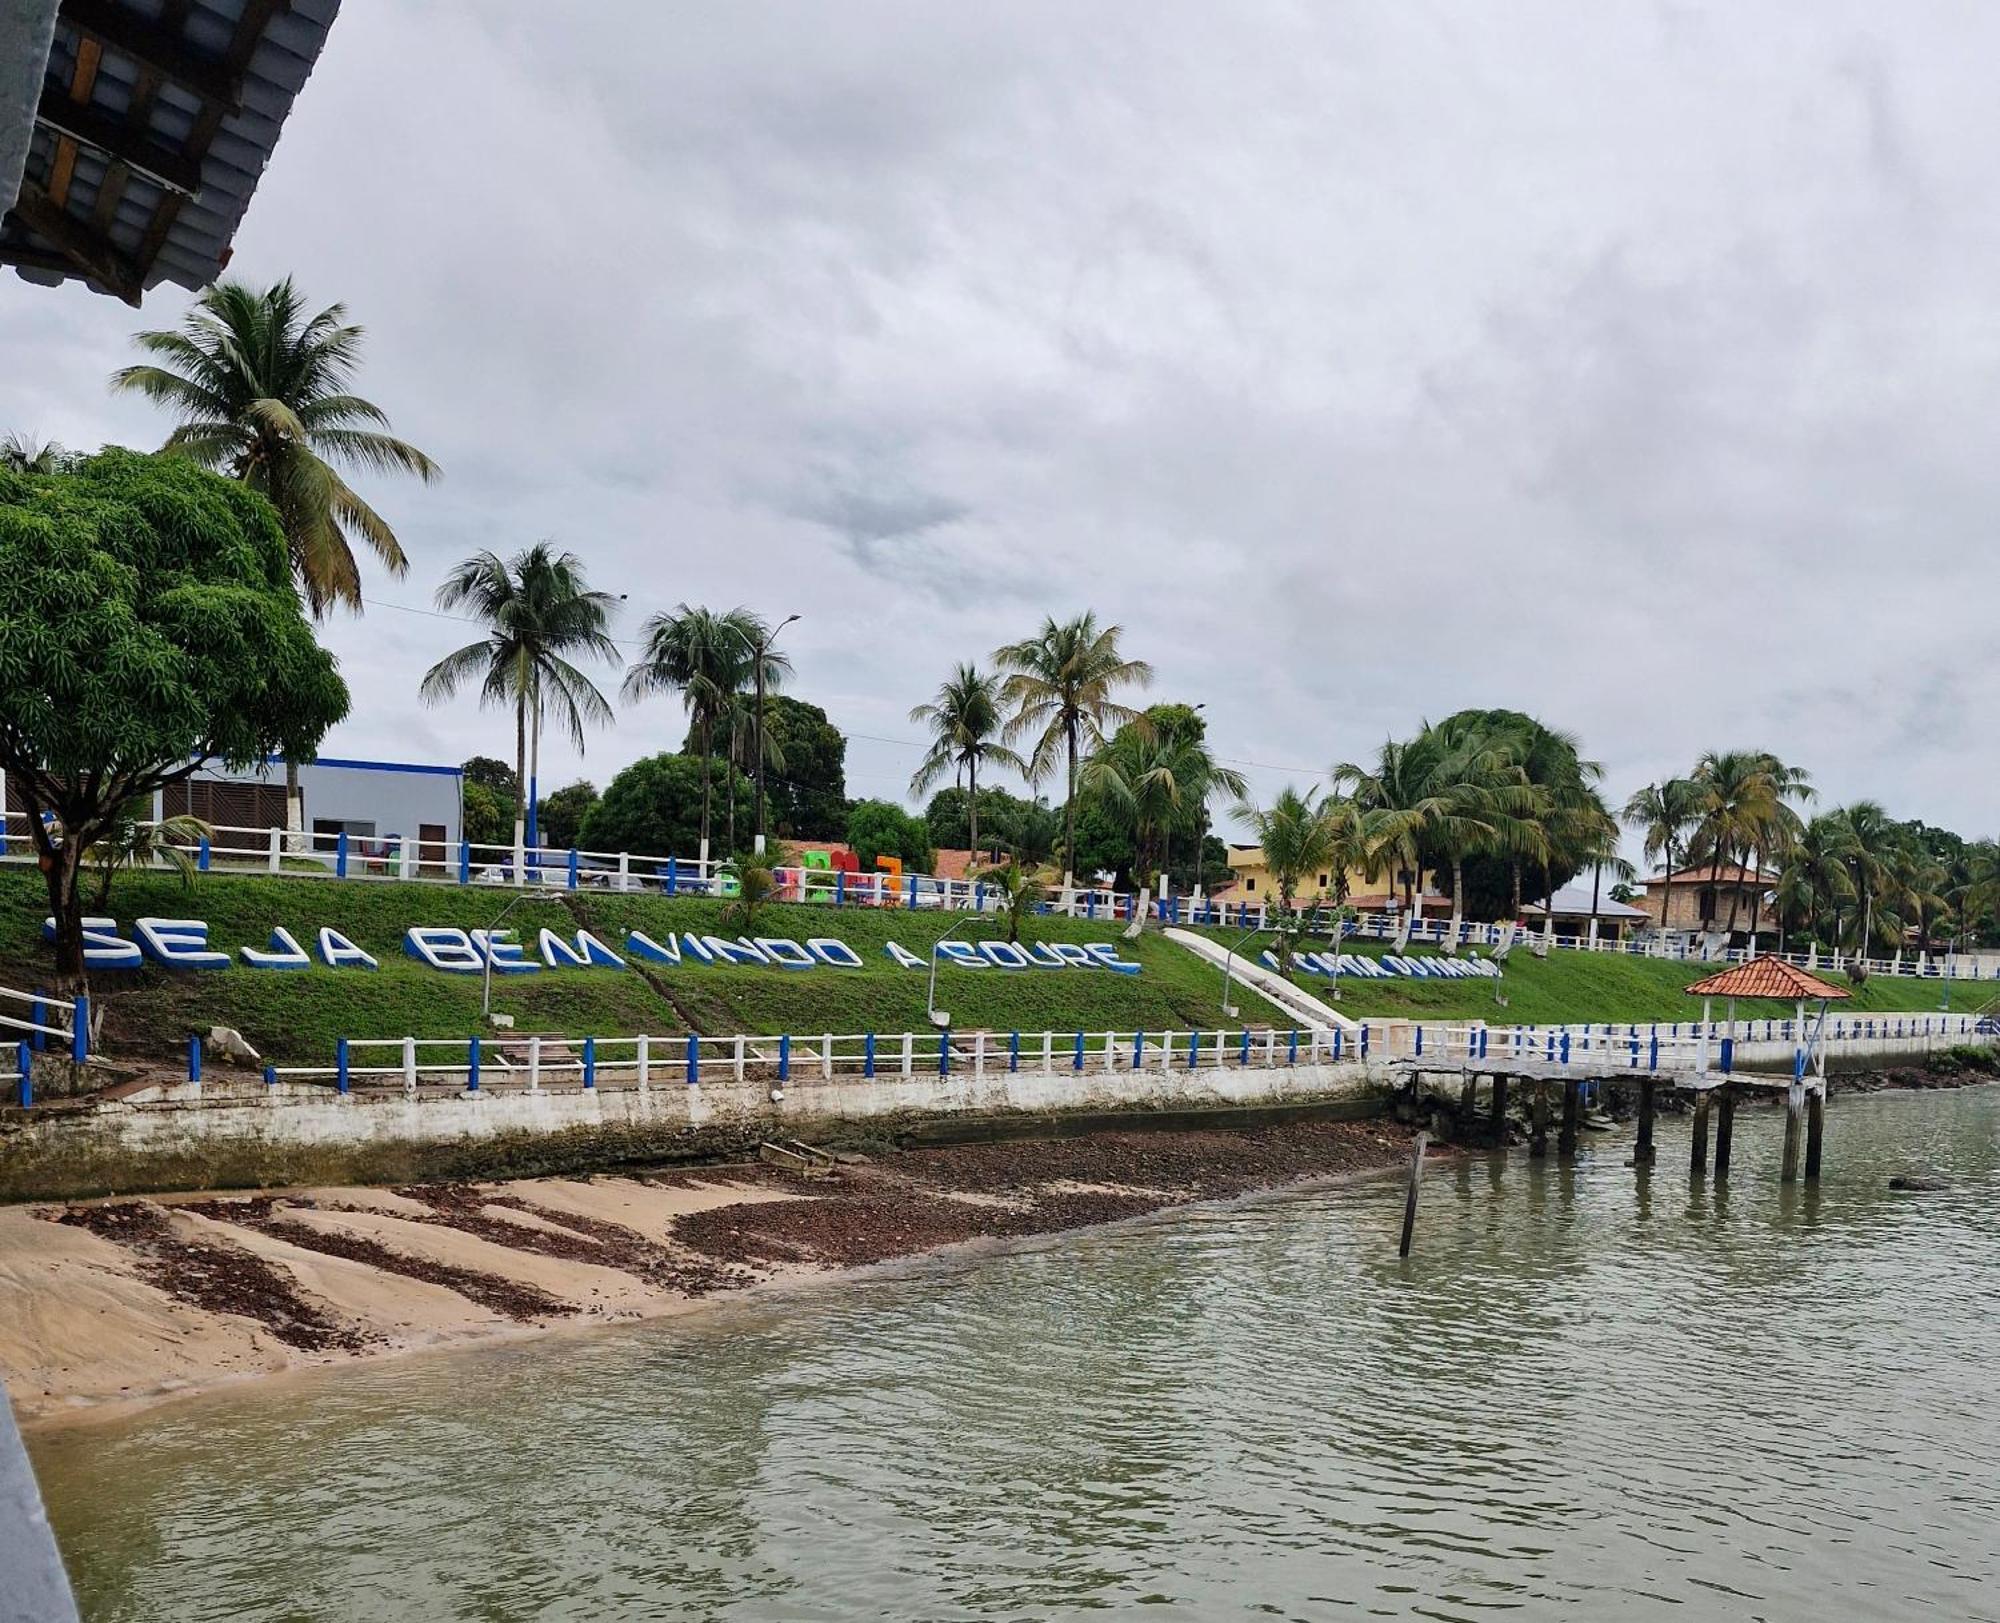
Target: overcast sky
{"type": "Point", "coordinates": [1636, 365]}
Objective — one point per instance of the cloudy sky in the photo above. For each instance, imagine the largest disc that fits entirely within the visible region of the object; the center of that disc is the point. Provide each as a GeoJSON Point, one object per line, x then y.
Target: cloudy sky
{"type": "Point", "coordinates": [1635, 364]}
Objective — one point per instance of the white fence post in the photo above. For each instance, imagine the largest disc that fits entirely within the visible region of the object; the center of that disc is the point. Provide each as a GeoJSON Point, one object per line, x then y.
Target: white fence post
{"type": "Point", "coordinates": [826, 1056]}
{"type": "Point", "coordinates": [410, 1066]}
{"type": "Point", "coordinates": [739, 1058]}
{"type": "Point", "coordinates": [534, 1064]}
{"type": "Point", "coordinates": [645, 1062]}
{"type": "Point", "coordinates": [909, 1050]}
{"type": "Point", "coordinates": [277, 837]}
{"type": "Point", "coordinates": [979, 1054]}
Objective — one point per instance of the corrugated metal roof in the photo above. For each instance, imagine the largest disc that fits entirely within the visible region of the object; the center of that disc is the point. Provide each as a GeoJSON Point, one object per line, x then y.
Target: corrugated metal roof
{"type": "Point", "coordinates": [120, 220]}
{"type": "Point", "coordinates": [1573, 901]}
{"type": "Point", "coordinates": [1768, 977]}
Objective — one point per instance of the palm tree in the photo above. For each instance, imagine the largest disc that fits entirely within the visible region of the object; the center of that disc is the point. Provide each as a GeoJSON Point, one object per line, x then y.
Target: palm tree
{"type": "Point", "coordinates": [132, 844]}
{"type": "Point", "coordinates": [1157, 777]}
{"type": "Point", "coordinates": [263, 392]}
{"type": "Point", "coordinates": [706, 658]}
{"type": "Point", "coordinates": [540, 610]}
{"type": "Point", "coordinates": [964, 720]}
{"type": "Point", "coordinates": [1060, 684]}
{"type": "Point", "coordinates": [1871, 834]}
{"type": "Point", "coordinates": [1817, 876]}
{"type": "Point", "coordinates": [1299, 834]}
{"type": "Point", "coordinates": [1664, 815]}
{"type": "Point", "coordinates": [1021, 890]}
{"type": "Point", "coordinates": [19, 454]}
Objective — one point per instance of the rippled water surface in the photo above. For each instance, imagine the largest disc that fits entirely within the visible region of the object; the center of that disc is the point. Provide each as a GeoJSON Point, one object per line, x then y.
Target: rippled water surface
{"type": "Point", "coordinates": [1588, 1395]}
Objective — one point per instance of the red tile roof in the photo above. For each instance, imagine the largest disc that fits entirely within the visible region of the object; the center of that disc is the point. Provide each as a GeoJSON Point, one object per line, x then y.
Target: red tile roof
{"type": "Point", "coordinates": [1731, 873]}
{"type": "Point", "coordinates": [1768, 977]}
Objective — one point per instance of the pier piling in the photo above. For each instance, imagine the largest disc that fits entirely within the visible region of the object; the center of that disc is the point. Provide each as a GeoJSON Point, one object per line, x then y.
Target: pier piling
{"type": "Point", "coordinates": [1566, 1142]}
{"type": "Point", "coordinates": [1794, 1130]}
{"type": "Point", "coordinates": [1698, 1152]}
{"type": "Point", "coordinates": [1538, 1137]}
{"type": "Point", "coordinates": [1410, 1194]}
{"type": "Point", "coordinates": [1815, 1132]}
{"type": "Point", "coordinates": [1499, 1110]}
{"type": "Point", "coordinates": [1642, 1151]}
{"type": "Point", "coordinates": [1725, 1126]}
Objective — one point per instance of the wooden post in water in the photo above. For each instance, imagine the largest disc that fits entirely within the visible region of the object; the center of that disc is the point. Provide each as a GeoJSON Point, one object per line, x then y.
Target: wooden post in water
{"type": "Point", "coordinates": [1698, 1154]}
{"type": "Point", "coordinates": [1642, 1152]}
{"type": "Point", "coordinates": [1566, 1142]}
{"type": "Point", "coordinates": [1815, 1130]}
{"type": "Point", "coordinates": [1538, 1137]}
{"type": "Point", "coordinates": [1410, 1194]}
{"type": "Point", "coordinates": [1795, 1109]}
{"type": "Point", "coordinates": [1725, 1124]}
{"type": "Point", "coordinates": [1499, 1110]}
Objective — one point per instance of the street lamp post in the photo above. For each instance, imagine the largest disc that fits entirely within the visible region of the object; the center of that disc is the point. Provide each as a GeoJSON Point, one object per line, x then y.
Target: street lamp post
{"type": "Point", "coordinates": [486, 952]}
{"type": "Point", "coordinates": [758, 650]}
{"type": "Point", "coordinates": [941, 1018]}
{"type": "Point", "coordinates": [1229, 1009]}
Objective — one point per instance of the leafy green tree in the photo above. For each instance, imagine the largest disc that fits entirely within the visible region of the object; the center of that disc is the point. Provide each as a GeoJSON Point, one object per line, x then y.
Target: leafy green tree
{"type": "Point", "coordinates": [563, 812]}
{"type": "Point", "coordinates": [809, 796]}
{"type": "Point", "coordinates": [541, 610]}
{"type": "Point", "coordinates": [708, 659]}
{"type": "Point", "coordinates": [653, 807]}
{"type": "Point", "coordinates": [964, 721]}
{"type": "Point", "coordinates": [1060, 685]}
{"type": "Point", "coordinates": [149, 628]}
{"type": "Point", "coordinates": [880, 828]}
{"type": "Point", "coordinates": [492, 774]}
{"type": "Point", "coordinates": [485, 816]}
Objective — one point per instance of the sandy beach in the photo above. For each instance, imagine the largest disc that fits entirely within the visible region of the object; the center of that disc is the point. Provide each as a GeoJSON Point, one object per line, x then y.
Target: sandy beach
{"type": "Point", "coordinates": [108, 1305]}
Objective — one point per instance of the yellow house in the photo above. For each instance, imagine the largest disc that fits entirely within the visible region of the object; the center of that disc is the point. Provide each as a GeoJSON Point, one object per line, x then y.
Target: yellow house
{"type": "Point", "coordinates": [1253, 883]}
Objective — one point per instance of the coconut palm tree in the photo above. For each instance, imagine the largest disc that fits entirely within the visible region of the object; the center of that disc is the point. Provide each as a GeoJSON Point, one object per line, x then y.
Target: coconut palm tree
{"type": "Point", "coordinates": [264, 394]}
{"type": "Point", "coordinates": [1157, 777]}
{"type": "Point", "coordinates": [1060, 685]}
{"type": "Point", "coordinates": [1871, 834]}
{"type": "Point", "coordinates": [1817, 879]}
{"type": "Point", "coordinates": [20, 454]}
{"type": "Point", "coordinates": [705, 657]}
{"type": "Point", "coordinates": [1299, 834]}
{"type": "Point", "coordinates": [541, 610]}
{"type": "Point", "coordinates": [965, 725]}
{"type": "Point", "coordinates": [1664, 815]}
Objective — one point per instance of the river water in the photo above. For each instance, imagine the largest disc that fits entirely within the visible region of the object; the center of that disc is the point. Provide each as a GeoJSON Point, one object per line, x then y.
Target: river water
{"type": "Point", "coordinates": [1589, 1394]}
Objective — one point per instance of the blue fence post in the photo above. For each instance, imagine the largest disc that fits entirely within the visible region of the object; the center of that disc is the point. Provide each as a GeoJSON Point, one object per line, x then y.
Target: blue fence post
{"type": "Point", "coordinates": [978, 896]}
{"type": "Point", "coordinates": [1243, 1048]}
{"type": "Point", "coordinates": [24, 1062]}
{"type": "Point", "coordinates": [839, 887]}
{"type": "Point", "coordinates": [572, 867]}
{"type": "Point", "coordinates": [465, 862]}
{"type": "Point", "coordinates": [1014, 1051]}
{"type": "Point", "coordinates": [589, 1058]}
{"type": "Point", "coordinates": [340, 855]}
{"type": "Point", "coordinates": [1292, 1049]}
{"type": "Point", "coordinates": [472, 1066]}
{"type": "Point", "coordinates": [201, 855]}
{"type": "Point", "coordinates": [1364, 1040]}
{"type": "Point", "coordinates": [694, 1061]}
{"type": "Point", "coordinates": [1728, 1054]}
{"type": "Point", "coordinates": [340, 1065]}
{"type": "Point", "coordinates": [784, 1059]}
{"type": "Point", "coordinates": [194, 1058]}
{"type": "Point", "coordinates": [38, 1012]}
{"type": "Point", "coordinates": [1079, 1051]}
{"type": "Point", "coordinates": [868, 1055]}
{"type": "Point", "coordinates": [673, 876]}
{"type": "Point", "coordinates": [944, 1053]}
{"type": "Point", "coordinates": [1565, 1047]}
{"type": "Point", "coordinates": [270, 1076]}
{"type": "Point", "coordinates": [1485, 1040]}
{"type": "Point", "coordinates": [913, 893]}
{"type": "Point", "coordinates": [1138, 1050]}
{"type": "Point", "coordinates": [1336, 1045]}
{"type": "Point", "coordinates": [1420, 1040]}
{"type": "Point", "coordinates": [1194, 1050]}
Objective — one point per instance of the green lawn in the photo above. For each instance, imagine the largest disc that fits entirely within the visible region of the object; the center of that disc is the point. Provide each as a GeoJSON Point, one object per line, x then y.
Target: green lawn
{"type": "Point", "coordinates": [1575, 987]}
{"type": "Point", "coordinates": [295, 1017]}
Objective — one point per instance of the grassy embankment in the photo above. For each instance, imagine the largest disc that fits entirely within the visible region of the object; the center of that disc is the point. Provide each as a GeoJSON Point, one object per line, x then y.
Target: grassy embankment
{"type": "Point", "coordinates": [295, 1017]}
{"type": "Point", "coordinates": [1570, 987]}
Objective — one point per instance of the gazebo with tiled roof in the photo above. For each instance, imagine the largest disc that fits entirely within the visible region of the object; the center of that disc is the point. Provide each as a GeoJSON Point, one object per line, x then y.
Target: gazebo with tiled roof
{"type": "Point", "coordinates": [1772, 978]}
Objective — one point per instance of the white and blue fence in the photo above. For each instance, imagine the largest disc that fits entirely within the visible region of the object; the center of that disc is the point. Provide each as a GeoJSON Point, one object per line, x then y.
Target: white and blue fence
{"type": "Point", "coordinates": [36, 1019]}
{"type": "Point", "coordinates": [535, 1062]}
{"type": "Point", "coordinates": [405, 859]}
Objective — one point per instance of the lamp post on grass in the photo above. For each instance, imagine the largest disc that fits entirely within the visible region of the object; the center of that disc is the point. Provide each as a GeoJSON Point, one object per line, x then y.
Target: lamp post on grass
{"type": "Point", "coordinates": [1229, 1010]}
{"type": "Point", "coordinates": [941, 1018]}
{"type": "Point", "coordinates": [486, 953]}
